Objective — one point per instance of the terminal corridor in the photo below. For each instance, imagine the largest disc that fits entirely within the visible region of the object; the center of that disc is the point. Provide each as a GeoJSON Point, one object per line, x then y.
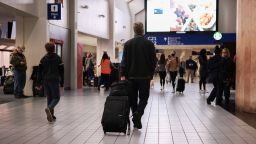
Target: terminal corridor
{"type": "Point", "coordinates": [168, 119]}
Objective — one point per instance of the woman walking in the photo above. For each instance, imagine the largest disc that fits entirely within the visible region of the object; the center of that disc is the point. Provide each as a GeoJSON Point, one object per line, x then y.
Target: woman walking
{"type": "Point", "coordinates": [162, 70]}
{"type": "Point", "coordinates": [203, 70]}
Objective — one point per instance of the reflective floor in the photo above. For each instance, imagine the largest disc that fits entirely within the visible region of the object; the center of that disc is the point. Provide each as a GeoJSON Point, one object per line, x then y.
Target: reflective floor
{"type": "Point", "coordinates": [168, 119]}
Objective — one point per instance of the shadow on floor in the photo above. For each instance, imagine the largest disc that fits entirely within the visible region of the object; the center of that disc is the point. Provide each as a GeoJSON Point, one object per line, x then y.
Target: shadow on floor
{"type": "Point", "coordinates": [249, 118]}
{"type": "Point", "coordinates": [5, 98]}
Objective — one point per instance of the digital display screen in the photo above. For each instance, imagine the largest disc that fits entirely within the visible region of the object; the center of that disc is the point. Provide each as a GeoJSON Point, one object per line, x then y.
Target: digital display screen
{"type": "Point", "coordinates": [181, 15]}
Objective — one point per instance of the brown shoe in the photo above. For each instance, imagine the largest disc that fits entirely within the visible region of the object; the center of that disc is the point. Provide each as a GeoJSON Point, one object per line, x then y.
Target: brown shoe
{"type": "Point", "coordinates": [49, 115]}
{"type": "Point", "coordinates": [53, 116]}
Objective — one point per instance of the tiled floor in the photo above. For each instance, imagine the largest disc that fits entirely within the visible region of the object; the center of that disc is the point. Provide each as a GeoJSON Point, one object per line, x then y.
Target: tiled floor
{"type": "Point", "coordinates": [168, 119]}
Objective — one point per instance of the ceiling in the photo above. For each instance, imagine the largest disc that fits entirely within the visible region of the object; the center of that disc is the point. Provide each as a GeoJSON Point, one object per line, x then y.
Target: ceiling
{"type": "Point", "coordinates": [6, 11]}
{"type": "Point", "coordinates": [86, 40]}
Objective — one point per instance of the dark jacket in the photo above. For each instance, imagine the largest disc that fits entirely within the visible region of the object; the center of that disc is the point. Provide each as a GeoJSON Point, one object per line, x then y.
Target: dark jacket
{"type": "Point", "coordinates": [228, 68]}
{"type": "Point", "coordinates": [215, 68]}
{"type": "Point", "coordinates": [190, 64]}
{"type": "Point", "coordinates": [203, 66]}
{"type": "Point", "coordinates": [51, 69]}
{"type": "Point", "coordinates": [16, 58]}
{"type": "Point", "coordinates": [139, 59]}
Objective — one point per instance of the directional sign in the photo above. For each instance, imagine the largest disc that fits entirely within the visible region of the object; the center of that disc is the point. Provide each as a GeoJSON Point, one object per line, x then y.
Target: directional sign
{"type": "Point", "coordinates": [54, 11]}
{"type": "Point", "coordinates": [189, 39]}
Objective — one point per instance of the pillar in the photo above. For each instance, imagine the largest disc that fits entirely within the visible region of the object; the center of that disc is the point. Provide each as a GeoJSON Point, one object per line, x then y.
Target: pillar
{"type": "Point", "coordinates": [74, 33]}
{"type": "Point", "coordinates": [32, 32]}
{"type": "Point", "coordinates": [245, 58]}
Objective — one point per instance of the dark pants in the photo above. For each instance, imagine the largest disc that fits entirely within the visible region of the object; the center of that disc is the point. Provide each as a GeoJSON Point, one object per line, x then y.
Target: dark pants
{"type": "Point", "coordinates": [216, 92]}
{"type": "Point", "coordinates": [162, 75]}
{"type": "Point", "coordinates": [52, 91]}
{"type": "Point", "coordinates": [105, 79]}
{"type": "Point", "coordinates": [90, 76]}
{"type": "Point", "coordinates": [19, 82]}
{"type": "Point", "coordinates": [173, 76]}
{"type": "Point", "coordinates": [226, 90]}
{"type": "Point", "coordinates": [202, 81]}
{"type": "Point", "coordinates": [140, 89]}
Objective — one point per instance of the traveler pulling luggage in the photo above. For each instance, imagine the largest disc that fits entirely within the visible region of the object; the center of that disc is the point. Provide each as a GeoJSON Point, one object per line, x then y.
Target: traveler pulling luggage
{"type": "Point", "coordinates": [117, 109]}
{"type": "Point", "coordinates": [180, 85]}
{"type": "Point", "coordinates": [180, 82]}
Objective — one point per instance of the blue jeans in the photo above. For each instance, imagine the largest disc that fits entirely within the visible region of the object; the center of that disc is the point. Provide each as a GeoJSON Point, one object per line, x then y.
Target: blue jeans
{"type": "Point", "coordinates": [52, 91]}
{"type": "Point", "coordinates": [19, 82]}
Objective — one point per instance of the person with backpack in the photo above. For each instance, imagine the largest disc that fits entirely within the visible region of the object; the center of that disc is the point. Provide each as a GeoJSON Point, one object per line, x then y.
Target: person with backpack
{"type": "Point", "coordinates": [50, 75]}
{"type": "Point", "coordinates": [191, 67]}
{"type": "Point", "coordinates": [173, 66]}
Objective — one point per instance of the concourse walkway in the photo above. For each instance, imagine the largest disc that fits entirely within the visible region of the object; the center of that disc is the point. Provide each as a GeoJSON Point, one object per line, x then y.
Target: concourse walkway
{"type": "Point", "coordinates": [168, 119]}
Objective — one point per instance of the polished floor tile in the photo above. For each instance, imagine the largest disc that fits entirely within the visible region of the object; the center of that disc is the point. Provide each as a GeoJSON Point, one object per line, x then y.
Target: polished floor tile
{"type": "Point", "coordinates": [169, 119]}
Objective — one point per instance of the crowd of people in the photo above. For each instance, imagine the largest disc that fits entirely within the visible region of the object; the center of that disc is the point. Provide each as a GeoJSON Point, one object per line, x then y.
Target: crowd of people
{"type": "Point", "coordinates": [138, 65]}
{"type": "Point", "coordinates": [219, 69]}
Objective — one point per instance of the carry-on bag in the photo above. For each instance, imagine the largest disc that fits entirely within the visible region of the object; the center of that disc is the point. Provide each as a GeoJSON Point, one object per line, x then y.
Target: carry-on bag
{"type": "Point", "coordinates": [117, 109]}
{"type": "Point", "coordinates": [180, 85]}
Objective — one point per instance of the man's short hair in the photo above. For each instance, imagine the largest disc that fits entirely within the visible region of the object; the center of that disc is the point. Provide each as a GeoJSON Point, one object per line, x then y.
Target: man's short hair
{"type": "Point", "coordinates": [50, 47]}
{"type": "Point", "coordinates": [138, 28]}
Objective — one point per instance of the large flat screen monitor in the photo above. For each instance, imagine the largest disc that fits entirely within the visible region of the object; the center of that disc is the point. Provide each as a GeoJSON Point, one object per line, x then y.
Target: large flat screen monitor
{"type": "Point", "coordinates": [181, 15]}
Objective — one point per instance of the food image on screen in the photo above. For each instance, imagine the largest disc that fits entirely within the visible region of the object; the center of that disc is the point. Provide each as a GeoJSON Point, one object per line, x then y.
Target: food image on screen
{"type": "Point", "coordinates": [192, 26]}
{"type": "Point", "coordinates": [181, 15]}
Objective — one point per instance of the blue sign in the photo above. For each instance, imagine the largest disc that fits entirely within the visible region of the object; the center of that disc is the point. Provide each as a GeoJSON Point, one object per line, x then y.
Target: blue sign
{"type": "Point", "coordinates": [54, 11]}
{"type": "Point", "coordinates": [189, 39]}
{"type": "Point", "coordinates": [158, 11]}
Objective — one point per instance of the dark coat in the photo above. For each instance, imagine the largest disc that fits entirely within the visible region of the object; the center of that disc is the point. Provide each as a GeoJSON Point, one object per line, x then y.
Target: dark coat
{"type": "Point", "coordinates": [139, 59]}
{"type": "Point", "coordinates": [191, 64]}
{"type": "Point", "coordinates": [228, 68]}
{"type": "Point", "coordinates": [203, 66]}
{"type": "Point", "coordinates": [215, 68]}
{"type": "Point", "coordinates": [51, 69]}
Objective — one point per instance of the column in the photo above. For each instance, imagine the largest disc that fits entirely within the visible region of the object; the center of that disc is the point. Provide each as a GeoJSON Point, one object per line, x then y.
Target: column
{"type": "Point", "coordinates": [73, 28]}
{"type": "Point", "coordinates": [246, 59]}
{"type": "Point", "coordinates": [32, 32]}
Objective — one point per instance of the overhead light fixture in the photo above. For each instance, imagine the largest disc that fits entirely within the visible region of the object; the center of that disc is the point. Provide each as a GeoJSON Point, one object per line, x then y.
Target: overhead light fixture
{"type": "Point", "coordinates": [85, 6]}
{"type": "Point", "coordinates": [101, 15]}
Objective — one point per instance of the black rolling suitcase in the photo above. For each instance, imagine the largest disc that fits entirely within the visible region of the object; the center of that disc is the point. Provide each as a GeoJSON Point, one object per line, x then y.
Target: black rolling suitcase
{"type": "Point", "coordinates": [180, 85]}
{"type": "Point", "coordinates": [116, 111]}
{"type": "Point", "coordinates": [8, 85]}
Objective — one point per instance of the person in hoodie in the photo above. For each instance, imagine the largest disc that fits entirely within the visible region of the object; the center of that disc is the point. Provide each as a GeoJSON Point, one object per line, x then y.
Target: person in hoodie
{"type": "Point", "coordinates": [215, 66]}
{"type": "Point", "coordinates": [50, 76]}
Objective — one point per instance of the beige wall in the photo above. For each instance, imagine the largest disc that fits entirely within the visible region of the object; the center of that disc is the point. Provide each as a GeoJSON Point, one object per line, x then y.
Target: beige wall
{"type": "Point", "coordinates": [246, 60]}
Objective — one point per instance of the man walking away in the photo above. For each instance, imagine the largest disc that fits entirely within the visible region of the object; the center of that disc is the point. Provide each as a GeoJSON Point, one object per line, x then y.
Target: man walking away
{"type": "Point", "coordinates": [51, 70]}
{"type": "Point", "coordinates": [138, 66]}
